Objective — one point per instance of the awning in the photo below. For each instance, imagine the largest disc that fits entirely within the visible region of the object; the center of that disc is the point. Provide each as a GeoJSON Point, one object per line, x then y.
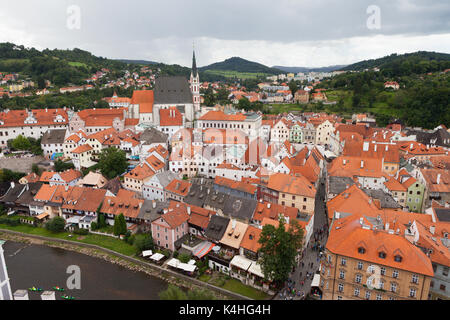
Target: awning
{"type": "Point", "coordinates": [241, 262]}
{"type": "Point", "coordinates": [187, 267]}
{"type": "Point", "coordinates": [147, 253]}
{"type": "Point", "coordinates": [42, 216]}
{"type": "Point", "coordinates": [255, 269]}
{"type": "Point", "coordinates": [316, 280]}
{"type": "Point", "coordinates": [157, 256]}
{"type": "Point", "coordinates": [173, 263]}
{"type": "Point", "coordinates": [203, 249]}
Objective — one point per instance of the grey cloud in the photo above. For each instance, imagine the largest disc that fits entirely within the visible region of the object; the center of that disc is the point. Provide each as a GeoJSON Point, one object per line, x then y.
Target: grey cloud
{"type": "Point", "coordinates": [164, 30]}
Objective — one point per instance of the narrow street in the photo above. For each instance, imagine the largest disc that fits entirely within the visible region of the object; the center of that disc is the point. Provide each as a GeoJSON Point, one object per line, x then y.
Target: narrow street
{"type": "Point", "coordinates": [309, 263]}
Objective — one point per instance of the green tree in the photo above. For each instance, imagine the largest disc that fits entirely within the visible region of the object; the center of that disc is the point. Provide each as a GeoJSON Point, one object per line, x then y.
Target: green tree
{"type": "Point", "coordinates": [175, 293]}
{"type": "Point", "coordinates": [120, 226]}
{"type": "Point", "coordinates": [112, 162]}
{"type": "Point", "coordinates": [172, 293]}
{"type": "Point", "coordinates": [184, 257]}
{"type": "Point", "coordinates": [293, 87]}
{"type": "Point", "coordinates": [63, 166]}
{"type": "Point", "coordinates": [279, 247]}
{"type": "Point", "coordinates": [56, 225]}
{"type": "Point", "coordinates": [35, 169]}
{"type": "Point", "coordinates": [244, 103]}
{"type": "Point", "coordinates": [200, 294]}
{"type": "Point", "coordinates": [143, 242]}
{"type": "Point", "coordinates": [21, 143]}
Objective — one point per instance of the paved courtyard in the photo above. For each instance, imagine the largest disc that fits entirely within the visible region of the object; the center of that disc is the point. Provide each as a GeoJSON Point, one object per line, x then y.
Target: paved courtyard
{"type": "Point", "coordinates": [20, 164]}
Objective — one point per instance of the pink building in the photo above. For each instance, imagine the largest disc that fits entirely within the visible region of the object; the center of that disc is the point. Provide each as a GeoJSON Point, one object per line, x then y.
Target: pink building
{"type": "Point", "coordinates": [171, 226]}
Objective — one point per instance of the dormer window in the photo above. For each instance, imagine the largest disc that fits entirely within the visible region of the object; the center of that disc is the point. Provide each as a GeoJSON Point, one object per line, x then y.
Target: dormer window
{"type": "Point", "coordinates": [382, 255]}
{"type": "Point", "coordinates": [361, 250]}
{"type": "Point", "coordinates": [398, 258]}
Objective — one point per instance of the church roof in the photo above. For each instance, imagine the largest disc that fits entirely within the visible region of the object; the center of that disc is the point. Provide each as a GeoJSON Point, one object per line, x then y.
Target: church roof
{"type": "Point", "coordinates": [172, 90]}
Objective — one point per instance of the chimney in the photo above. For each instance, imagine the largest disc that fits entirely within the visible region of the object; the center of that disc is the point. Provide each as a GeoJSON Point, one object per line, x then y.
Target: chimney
{"type": "Point", "coordinates": [387, 226]}
{"type": "Point", "coordinates": [344, 161]}
{"type": "Point", "coordinates": [362, 164]}
{"type": "Point", "coordinates": [438, 178]}
{"type": "Point", "coordinates": [432, 229]}
{"type": "Point", "coordinates": [189, 210]}
{"type": "Point", "coordinates": [12, 185]}
{"type": "Point", "coordinates": [366, 146]}
{"type": "Point", "coordinates": [411, 146]}
{"type": "Point", "coordinates": [154, 204]}
{"type": "Point", "coordinates": [387, 147]}
{"type": "Point", "coordinates": [375, 148]}
{"type": "Point", "coordinates": [268, 205]}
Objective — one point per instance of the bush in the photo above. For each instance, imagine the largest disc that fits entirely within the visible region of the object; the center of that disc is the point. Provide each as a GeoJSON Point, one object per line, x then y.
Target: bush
{"type": "Point", "coordinates": [166, 253]}
{"type": "Point", "coordinates": [184, 257]}
{"type": "Point", "coordinates": [9, 222]}
{"type": "Point", "coordinates": [175, 254]}
{"type": "Point", "coordinates": [56, 225]}
{"type": "Point", "coordinates": [94, 226]}
{"type": "Point", "coordinates": [143, 242]}
{"type": "Point", "coordinates": [83, 232]}
{"type": "Point", "coordinates": [129, 238]}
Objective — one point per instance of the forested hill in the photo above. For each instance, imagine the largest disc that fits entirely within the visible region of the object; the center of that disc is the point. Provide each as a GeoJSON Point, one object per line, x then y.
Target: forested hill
{"type": "Point", "coordinates": [403, 65]}
{"type": "Point", "coordinates": [61, 67]}
{"type": "Point", "coordinates": [241, 65]}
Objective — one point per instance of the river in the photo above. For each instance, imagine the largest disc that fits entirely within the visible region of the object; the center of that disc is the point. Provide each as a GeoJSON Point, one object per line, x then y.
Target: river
{"type": "Point", "coordinates": [46, 267]}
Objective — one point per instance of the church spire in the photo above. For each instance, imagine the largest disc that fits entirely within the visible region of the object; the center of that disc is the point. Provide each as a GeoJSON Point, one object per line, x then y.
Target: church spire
{"type": "Point", "coordinates": [194, 63]}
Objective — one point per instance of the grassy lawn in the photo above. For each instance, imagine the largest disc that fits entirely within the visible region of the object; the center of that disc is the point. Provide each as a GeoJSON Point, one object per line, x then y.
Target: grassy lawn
{"type": "Point", "coordinates": [233, 285]}
{"type": "Point", "coordinates": [238, 287]}
{"type": "Point", "coordinates": [77, 64]}
{"type": "Point", "coordinates": [204, 277]}
{"type": "Point", "coordinates": [282, 108]}
{"type": "Point", "coordinates": [102, 241]}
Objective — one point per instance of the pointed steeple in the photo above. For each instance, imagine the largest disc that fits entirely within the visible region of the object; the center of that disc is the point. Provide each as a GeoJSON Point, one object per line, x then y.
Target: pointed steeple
{"type": "Point", "coordinates": [194, 65]}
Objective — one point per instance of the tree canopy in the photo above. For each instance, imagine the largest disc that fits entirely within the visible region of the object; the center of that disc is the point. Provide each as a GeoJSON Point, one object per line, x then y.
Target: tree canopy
{"type": "Point", "coordinates": [120, 225]}
{"type": "Point", "coordinates": [112, 162]}
{"type": "Point", "coordinates": [175, 293]}
{"type": "Point", "coordinates": [279, 248]}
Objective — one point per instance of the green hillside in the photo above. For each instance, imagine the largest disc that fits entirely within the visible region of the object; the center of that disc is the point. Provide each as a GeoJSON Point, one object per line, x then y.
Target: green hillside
{"type": "Point", "coordinates": [242, 66]}
{"type": "Point", "coordinates": [403, 65]}
{"type": "Point", "coordinates": [61, 67]}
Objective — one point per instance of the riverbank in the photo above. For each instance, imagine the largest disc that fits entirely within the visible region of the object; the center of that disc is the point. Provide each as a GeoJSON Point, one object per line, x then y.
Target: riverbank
{"type": "Point", "coordinates": [129, 262]}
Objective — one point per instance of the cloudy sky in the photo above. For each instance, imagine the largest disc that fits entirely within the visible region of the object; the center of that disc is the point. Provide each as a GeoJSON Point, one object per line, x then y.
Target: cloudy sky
{"type": "Point", "coordinates": [282, 32]}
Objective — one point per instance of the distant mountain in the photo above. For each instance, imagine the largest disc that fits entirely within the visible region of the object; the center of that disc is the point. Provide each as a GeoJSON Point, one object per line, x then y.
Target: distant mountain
{"type": "Point", "coordinates": [240, 65]}
{"type": "Point", "coordinates": [405, 64]}
{"type": "Point", "coordinates": [145, 62]}
{"type": "Point", "coordinates": [305, 70]}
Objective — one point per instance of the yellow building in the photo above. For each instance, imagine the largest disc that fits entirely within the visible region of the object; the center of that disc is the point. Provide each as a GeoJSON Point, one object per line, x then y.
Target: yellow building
{"type": "Point", "coordinates": [361, 263]}
{"type": "Point", "coordinates": [291, 191]}
{"type": "Point", "coordinates": [82, 157]}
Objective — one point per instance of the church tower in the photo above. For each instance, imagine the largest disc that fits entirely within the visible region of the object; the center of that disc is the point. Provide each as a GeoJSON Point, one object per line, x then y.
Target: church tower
{"type": "Point", "coordinates": [195, 85]}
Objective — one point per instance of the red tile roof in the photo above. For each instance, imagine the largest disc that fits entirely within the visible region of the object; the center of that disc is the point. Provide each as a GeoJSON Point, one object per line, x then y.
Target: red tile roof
{"type": "Point", "coordinates": [347, 235]}
{"type": "Point", "coordinates": [179, 187]}
{"type": "Point", "coordinates": [292, 185]}
{"type": "Point", "coordinates": [44, 117]}
{"type": "Point", "coordinates": [170, 117]}
{"type": "Point", "coordinates": [81, 149]}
